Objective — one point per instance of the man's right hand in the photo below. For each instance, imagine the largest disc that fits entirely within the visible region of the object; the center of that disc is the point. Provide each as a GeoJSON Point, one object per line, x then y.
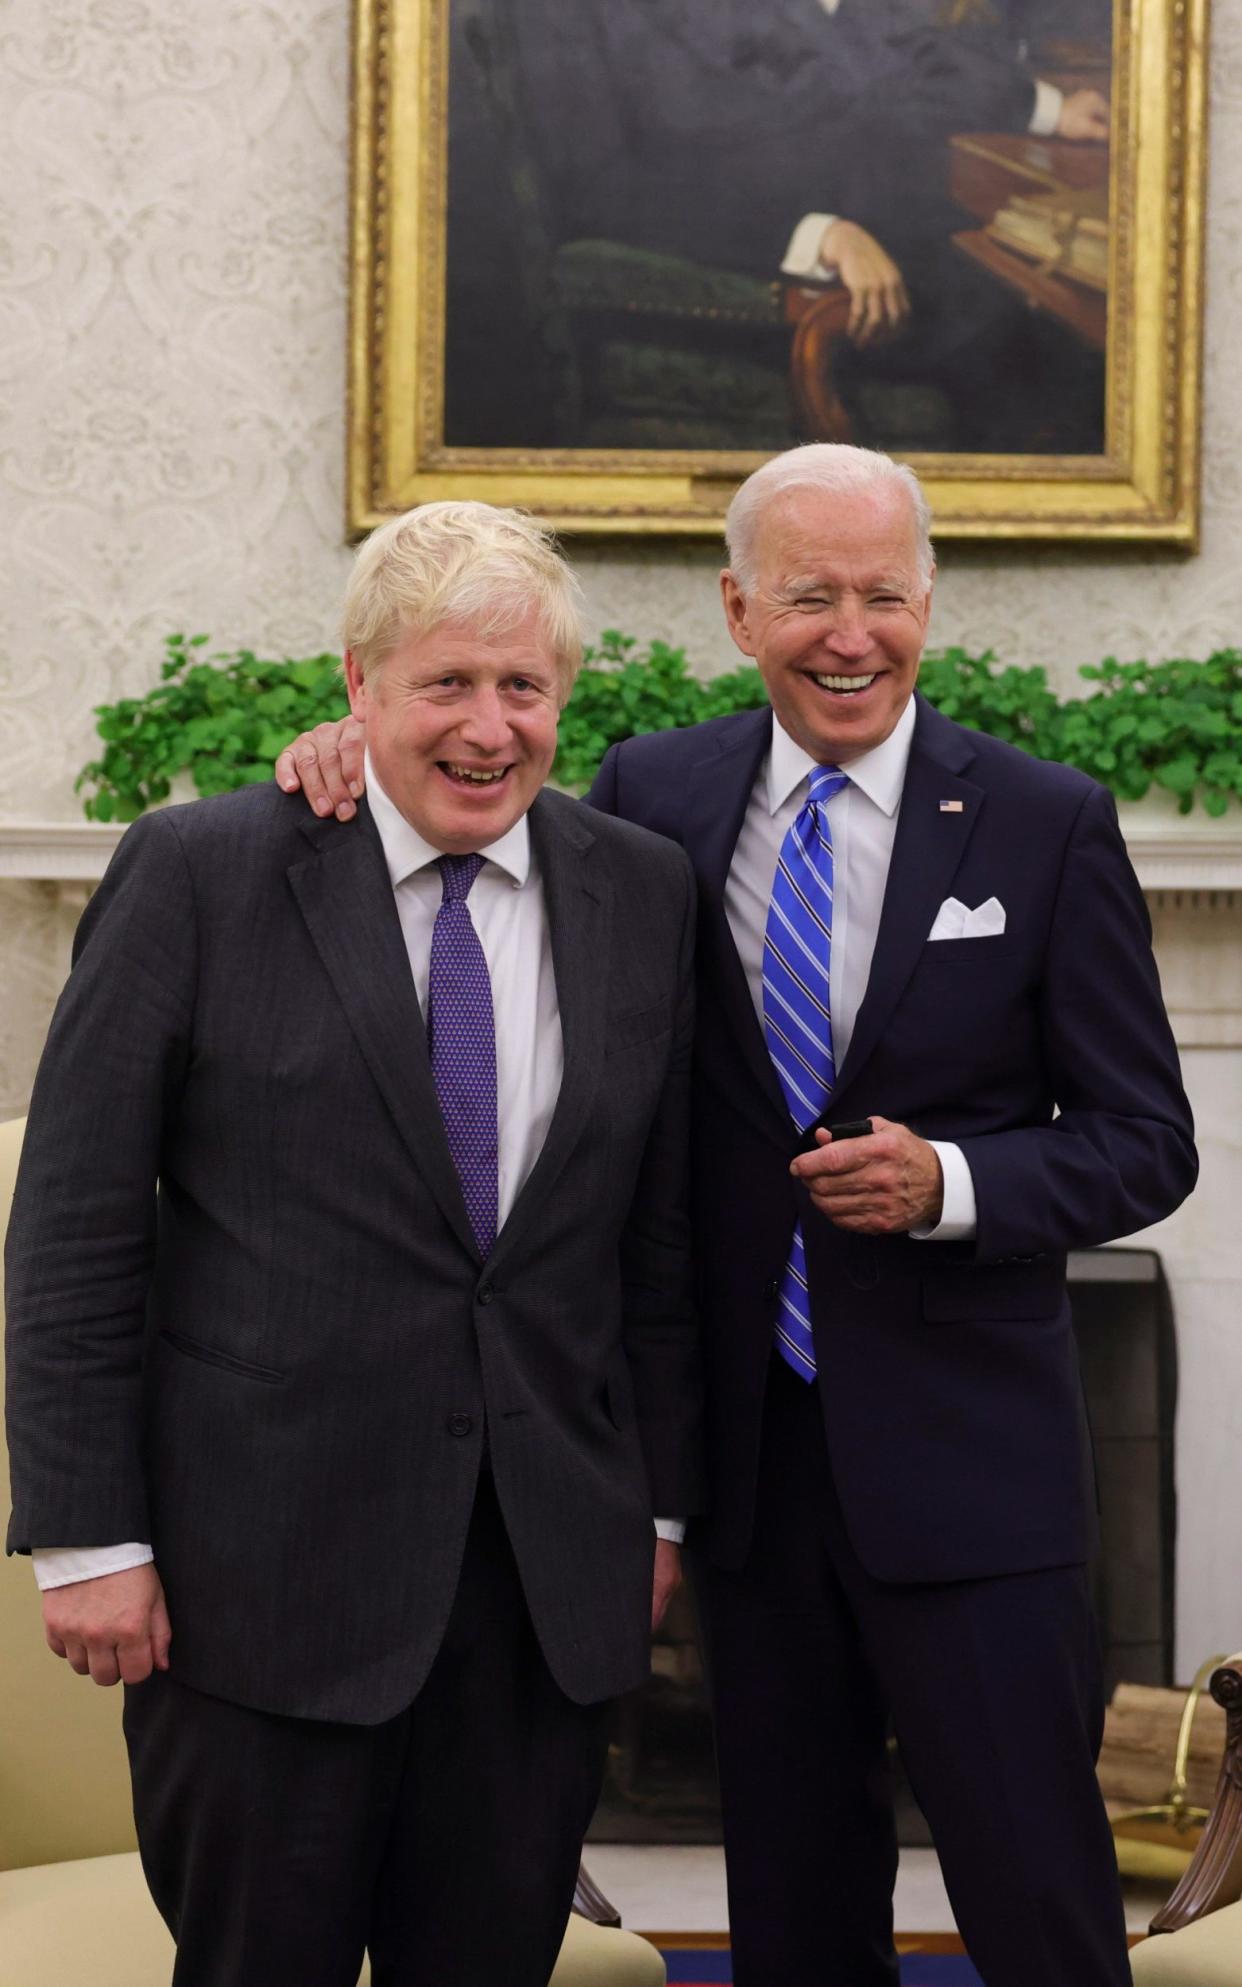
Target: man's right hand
{"type": "Point", "coordinates": [879, 305]}
{"type": "Point", "coordinates": [327, 763]}
{"type": "Point", "coordinates": [114, 1629]}
{"type": "Point", "coordinates": [1085, 117]}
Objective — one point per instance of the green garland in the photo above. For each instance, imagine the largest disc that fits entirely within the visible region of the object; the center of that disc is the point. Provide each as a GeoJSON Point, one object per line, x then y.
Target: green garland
{"type": "Point", "coordinates": [224, 718]}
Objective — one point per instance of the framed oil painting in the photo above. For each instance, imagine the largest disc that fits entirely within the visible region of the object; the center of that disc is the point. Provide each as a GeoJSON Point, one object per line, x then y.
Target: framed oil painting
{"type": "Point", "coordinates": [608, 256]}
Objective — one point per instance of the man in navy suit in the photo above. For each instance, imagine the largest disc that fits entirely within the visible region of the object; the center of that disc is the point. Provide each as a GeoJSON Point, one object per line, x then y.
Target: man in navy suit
{"type": "Point", "coordinates": [903, 1532]}
{"type": "Point", "coordinates": [902, 1514]}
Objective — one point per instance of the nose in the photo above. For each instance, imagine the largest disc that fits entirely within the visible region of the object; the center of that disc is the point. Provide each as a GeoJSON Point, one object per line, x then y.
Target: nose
{"type": "Point", "coordinates": [848, 636]}
{"type": "Point", "coordinates": [485, 727]}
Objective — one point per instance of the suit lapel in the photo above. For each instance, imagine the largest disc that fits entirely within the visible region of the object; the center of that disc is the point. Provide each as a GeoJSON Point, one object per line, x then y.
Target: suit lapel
{"type": "Point", "coordinates": [719, 792]}
{"type": "Point", "coordinates": [927, 849]}
{"type": "Point", "coordinates": [578, 901]}
{"type": "Point", "coordinates": [345, 896]}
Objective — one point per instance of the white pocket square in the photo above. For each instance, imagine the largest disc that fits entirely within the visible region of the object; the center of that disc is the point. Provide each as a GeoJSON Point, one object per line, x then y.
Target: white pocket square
{"type": "Point", "coordinates": [954, 920]}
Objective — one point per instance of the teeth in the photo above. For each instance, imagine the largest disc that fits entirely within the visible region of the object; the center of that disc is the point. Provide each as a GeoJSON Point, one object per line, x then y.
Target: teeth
{"type": "Point", "coordinates": [477, 777]}
{"type": "Point", "coordinates": [845, 682]}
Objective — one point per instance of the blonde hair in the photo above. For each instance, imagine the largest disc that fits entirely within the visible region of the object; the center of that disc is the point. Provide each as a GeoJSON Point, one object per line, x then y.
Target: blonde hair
{"type": "Point", "coordinates": [821, 466]}
{"type": "Point", "coordinates": [461, 562]}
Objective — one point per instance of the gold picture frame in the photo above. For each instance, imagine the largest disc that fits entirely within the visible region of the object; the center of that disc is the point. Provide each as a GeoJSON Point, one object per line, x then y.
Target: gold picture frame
{"type": "Point", "coordinates": [1143, 486]}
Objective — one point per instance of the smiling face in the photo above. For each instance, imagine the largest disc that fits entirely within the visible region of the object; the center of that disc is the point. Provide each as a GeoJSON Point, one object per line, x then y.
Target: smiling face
{"type": "Point", "coordinates": [836, 617]}
{"type": "Point", "coordinates": [461, 728]}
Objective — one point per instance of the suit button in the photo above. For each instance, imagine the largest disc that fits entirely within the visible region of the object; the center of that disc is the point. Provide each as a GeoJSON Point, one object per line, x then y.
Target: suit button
{"type": "Point", "coordinates": [486, 1293]}
{"type": "Point", "coordinates": [772, 1289]}
{"type": "Point", "coordinates": [459, 1424]}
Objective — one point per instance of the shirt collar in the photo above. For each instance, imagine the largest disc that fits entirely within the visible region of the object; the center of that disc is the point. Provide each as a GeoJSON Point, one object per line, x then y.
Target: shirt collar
{"type": "Point", "coordinates": [406, 851]}
{"type": "Point", "coordinates": [880, 773]}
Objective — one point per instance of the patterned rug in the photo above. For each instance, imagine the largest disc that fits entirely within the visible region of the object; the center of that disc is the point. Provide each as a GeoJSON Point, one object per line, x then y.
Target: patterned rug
{"type": "Point", "coordinates": [702, 1960]}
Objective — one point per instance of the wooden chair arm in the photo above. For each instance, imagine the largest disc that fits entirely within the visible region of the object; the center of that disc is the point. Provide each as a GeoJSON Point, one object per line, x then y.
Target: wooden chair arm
{"type": "Point", "coordinates": [1214, 1877]}
{"type": "Point", "coordinates": [818, 317]}
{"type": "Point", "coordinates": [590, 1902]}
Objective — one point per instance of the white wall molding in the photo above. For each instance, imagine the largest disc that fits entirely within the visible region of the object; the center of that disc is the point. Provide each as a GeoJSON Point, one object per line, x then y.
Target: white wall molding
{"type": "Point", "coordinates": [1186, 855]}
{"type": "Point", "coordinates": [56, 851]}
{"type": "Point", "coordinates": [1170, 857]}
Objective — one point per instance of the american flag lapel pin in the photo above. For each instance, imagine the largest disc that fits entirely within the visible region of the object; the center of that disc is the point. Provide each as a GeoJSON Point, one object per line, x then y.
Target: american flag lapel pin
{"type": "Point", "coordinates": [952, 807]}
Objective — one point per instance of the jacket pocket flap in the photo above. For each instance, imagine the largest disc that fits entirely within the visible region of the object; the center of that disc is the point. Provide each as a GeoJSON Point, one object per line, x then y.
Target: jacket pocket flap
{"type": "Point", "coordinates": [995, 1290]}
{"type": "Point", "coordinates": [214, 1355]}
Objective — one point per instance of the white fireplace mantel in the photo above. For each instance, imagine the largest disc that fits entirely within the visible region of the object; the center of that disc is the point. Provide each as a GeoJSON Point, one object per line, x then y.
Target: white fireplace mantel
{"type": "Point", "coordinates": [1169, 852]}
{"type": "Point", "coordinates": [1173, 852]}
{"type": "Point", "coordinates": [73, 852]}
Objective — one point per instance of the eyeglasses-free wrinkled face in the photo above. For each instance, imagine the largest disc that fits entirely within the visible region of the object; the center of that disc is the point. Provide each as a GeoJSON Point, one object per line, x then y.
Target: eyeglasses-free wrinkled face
{"type": "Point", "coordinates": [837, 616]}
{"type": "Point", "coordinates": [461, 728]}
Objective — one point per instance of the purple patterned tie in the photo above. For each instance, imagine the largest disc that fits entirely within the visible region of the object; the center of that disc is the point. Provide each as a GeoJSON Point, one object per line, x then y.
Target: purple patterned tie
{"type": "Point", "coordinates": [461, 1034]}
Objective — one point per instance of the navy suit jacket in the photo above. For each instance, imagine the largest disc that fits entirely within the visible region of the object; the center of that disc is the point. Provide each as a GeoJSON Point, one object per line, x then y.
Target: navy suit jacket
{"type": "Point", "coordinates": [947, 1371]}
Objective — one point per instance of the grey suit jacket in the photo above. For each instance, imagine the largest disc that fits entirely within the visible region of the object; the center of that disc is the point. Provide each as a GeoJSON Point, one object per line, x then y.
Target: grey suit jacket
{"type": "Point", "coordinates": [279, 1365]}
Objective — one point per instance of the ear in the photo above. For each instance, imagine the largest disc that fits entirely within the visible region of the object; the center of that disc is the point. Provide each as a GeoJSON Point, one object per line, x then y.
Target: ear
{"type": "Point", "coordinates": [927, 601]}
{"type": "Point", "coordinates": [355, 683]}
{"type": "Point", "coordinates": [736, 613]}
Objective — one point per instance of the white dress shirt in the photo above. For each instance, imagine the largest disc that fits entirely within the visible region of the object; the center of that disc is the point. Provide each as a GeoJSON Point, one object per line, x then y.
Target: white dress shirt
{"type": "Point", "coordinates": [862, 821]}
{"type": "Point", "coordinates": [506, 905]}
{"type": "Point", "coordinates": [802, 257]}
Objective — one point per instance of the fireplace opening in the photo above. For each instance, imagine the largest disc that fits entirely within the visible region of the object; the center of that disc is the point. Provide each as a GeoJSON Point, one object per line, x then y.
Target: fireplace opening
{"type": "Point", "coordinates": [661, 1782]}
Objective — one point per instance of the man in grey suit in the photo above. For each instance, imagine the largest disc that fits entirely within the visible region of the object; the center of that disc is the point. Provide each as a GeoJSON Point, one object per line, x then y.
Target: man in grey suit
{"type": "Point", "coordinates": [351, 1355]}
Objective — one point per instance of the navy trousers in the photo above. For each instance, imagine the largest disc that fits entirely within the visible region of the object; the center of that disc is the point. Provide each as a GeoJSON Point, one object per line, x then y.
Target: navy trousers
{"type": "Point", "coordinates": [994, 1690]}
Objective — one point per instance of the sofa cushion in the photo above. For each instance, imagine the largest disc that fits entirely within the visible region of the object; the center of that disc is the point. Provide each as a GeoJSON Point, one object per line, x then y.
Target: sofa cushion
{"type": "Point", "coordinates": [88, 1920]}
{"type": "Point", "coordinates": [94, 1921]}
{"type": "Point", "coordinates": [1205, 1954]}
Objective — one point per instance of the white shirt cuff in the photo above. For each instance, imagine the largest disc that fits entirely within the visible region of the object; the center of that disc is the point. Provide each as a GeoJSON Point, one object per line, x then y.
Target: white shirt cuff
{"type": "Point", "coordinates": [1047, 112]}
{"type": "Point", "coordinates": [958, 1213]}
{"type": "Point", "coordinates": [802, 255]}
{"type": "Point", "coordinates": [672, 1529]}
{"type": "Point", "coordinates": [61, 1566]}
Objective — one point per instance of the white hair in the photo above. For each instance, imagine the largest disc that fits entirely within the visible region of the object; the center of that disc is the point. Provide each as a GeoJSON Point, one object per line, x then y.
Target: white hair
{"type": "Point", "coordinates": [821, 466]}
{"type": "Point", "coordinates": [461, 562]}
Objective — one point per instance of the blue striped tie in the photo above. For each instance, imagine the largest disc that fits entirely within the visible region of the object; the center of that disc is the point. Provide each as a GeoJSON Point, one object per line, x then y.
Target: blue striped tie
{"type": "Point", "coordinates": [797, 1017]}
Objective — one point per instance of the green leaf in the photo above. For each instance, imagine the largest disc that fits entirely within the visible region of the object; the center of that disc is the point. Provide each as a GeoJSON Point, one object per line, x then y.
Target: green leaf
{"type": "Point", "coordinates": [1178, 775]}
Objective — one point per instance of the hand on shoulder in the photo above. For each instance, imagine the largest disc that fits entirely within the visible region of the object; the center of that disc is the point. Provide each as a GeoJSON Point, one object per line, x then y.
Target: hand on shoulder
{"type": "Point", "coordinates": [326, 764]}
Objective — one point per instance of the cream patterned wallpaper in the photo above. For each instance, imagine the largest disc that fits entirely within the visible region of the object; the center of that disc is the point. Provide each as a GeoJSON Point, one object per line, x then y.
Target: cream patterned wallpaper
{"type": "Point", "coordinates": [172, 337]}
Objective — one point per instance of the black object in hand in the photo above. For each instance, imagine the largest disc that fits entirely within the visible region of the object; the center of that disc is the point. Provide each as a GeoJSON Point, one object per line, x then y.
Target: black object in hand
{"type": "Point", "coordinates": [852, 1128]}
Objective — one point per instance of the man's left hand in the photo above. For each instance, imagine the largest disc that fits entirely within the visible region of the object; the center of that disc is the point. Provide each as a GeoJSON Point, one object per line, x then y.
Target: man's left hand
{"type": "Point", "coordinates": [882, 1185]}
{"type": "Point", "coordinates": [667, 1579]}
